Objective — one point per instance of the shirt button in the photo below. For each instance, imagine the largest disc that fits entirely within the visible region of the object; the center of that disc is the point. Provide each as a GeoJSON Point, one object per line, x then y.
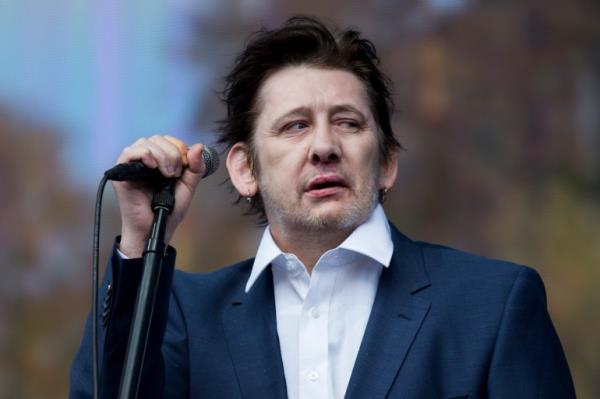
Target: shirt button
{"type": "Point", "coordinates": [314, 312]}
{"type": "Point", "coordinates": [313, 376]}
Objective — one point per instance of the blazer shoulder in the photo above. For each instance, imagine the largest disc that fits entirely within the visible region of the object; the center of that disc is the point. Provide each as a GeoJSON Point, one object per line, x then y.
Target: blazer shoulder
{"type": "Point", "coordinates": [443, 259]}
{"type": "Point", "coordinates": [219, 285]}
{"type": "Point", "coordinates": [465, 280]}
{"type": "Point", "coordinates": [449, 265]}
{"type": "Point", "coordinates": [476, 274]}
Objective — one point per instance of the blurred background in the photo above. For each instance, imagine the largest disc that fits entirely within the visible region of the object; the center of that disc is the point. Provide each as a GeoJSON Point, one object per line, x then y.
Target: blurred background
{"type": "Point", "coordinates": [497, 105]}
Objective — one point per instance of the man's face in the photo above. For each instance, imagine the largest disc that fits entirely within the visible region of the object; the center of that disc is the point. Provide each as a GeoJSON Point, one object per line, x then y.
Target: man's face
{"type": "Point", "coordinates": [317, 150]}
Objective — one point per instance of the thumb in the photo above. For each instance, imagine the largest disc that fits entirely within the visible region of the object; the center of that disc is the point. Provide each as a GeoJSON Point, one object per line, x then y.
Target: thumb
{"type": "Point", "coordinates": [193, 173]}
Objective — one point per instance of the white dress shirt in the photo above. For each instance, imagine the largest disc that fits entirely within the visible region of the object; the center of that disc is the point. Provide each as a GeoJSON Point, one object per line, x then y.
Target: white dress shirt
{"type": "Point", "coordinates": [321, 317]}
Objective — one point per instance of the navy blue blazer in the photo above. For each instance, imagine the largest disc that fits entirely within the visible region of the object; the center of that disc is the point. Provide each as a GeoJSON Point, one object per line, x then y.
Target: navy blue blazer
{"type": "Point", "coordinates": [444, 324]}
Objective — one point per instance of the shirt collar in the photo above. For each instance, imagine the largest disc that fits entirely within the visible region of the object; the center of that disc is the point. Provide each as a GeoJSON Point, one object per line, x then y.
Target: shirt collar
{"type": "Point", "coordinates": [371, 239]}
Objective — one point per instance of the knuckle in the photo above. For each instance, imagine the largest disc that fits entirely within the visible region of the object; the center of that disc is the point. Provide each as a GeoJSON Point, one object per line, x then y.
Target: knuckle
{"type": "Point", "coordinates": [144, 151]}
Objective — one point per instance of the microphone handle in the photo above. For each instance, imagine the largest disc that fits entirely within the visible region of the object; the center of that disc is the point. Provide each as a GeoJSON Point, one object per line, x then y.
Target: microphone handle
{"type": "Point", "coordinates": [135, 170]}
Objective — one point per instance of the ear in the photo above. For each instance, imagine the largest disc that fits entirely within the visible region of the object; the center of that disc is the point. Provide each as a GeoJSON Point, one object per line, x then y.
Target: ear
{"type": "Point", "coordinates": [388, 172]}
{"type": "Point", "coordinates": [239, 166]}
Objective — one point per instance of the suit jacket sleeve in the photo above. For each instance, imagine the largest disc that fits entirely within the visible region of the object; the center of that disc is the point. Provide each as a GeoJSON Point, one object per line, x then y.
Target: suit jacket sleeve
{"type": "Point", "coordinates": [158, 381]}
{"type": "Point", "coordinates": [528, 360]}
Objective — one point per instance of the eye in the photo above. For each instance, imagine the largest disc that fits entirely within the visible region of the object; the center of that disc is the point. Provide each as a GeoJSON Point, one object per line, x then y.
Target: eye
{"type": "Point", "coordinates": [295, 127]}
{"type": "Point", "coordinates": [348, 125]}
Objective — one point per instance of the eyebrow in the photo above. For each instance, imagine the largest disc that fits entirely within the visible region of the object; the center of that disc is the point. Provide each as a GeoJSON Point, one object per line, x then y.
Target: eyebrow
{"type": "Point", "coordinates": [299, 111]}
{"type": "Point", "coordinates": [303, 111]}
{"type": "Point", "coordinates": [348, 108]}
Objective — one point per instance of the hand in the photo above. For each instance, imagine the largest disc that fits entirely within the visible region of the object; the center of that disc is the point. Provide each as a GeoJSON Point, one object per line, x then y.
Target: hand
{"type": "Point", "coordinates": [173, 159]}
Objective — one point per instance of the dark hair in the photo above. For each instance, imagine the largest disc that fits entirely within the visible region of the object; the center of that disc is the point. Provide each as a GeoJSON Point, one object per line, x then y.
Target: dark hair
{"type": "Point", "coordinates": [301, 41]}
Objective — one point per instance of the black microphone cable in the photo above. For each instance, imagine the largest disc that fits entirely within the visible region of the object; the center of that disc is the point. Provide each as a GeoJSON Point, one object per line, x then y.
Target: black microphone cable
{"type": "Point", "coordinates": [95, 256]}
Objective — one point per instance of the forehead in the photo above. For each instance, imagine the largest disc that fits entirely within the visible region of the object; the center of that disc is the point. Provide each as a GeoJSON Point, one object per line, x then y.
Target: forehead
{"type": "Point", "coordinates": [316, 88]}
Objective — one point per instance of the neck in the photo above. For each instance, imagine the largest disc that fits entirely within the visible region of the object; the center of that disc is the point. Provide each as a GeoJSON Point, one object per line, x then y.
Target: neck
{"type": "Point", "coordinates": [308, 246]}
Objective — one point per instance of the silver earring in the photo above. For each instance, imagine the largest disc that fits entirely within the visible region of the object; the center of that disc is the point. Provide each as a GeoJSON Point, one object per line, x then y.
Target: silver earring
{"type": "Point", "coordinates": [248, 197]}
{"type": "Point", "coordinates": [383, 194]}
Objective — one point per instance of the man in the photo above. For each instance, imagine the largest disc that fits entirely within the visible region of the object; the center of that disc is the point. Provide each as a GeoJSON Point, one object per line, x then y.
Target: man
{"type": "Point", "coordinates": [336, 303]}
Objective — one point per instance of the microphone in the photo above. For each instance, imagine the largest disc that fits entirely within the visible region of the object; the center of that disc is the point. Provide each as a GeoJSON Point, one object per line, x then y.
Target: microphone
{"type": "Point", "coordinates": [136, 170]}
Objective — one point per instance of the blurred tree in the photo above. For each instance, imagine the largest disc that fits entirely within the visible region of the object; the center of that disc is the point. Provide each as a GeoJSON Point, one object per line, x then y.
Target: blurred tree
{"type": "Point", "coordinates": [45, 236]}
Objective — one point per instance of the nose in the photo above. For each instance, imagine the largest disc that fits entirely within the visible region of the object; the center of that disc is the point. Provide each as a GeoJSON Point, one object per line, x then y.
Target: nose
{"type": "Point", "coordinates": [324, 147]}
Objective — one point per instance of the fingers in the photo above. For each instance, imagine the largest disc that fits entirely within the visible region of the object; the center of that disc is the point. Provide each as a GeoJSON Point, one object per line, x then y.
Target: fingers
{"type": "Point", "coordinates": [166, 153]}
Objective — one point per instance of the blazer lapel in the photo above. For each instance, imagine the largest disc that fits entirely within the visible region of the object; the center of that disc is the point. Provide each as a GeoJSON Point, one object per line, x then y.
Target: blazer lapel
{"type": "Point", "coordinates": [250, 327]}
{"type": "Point", "coordinates": [395, 320]}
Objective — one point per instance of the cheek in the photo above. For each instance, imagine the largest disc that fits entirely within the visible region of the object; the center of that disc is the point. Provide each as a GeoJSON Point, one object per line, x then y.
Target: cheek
{"type": "Point", "coordinates": [289, 158]}
{"type": "Point", "coordinates": [364, 154]}
{"type": "Point", "coordinates": [367, 167]}
{"type": "Point", "coordinates": [281, 165]}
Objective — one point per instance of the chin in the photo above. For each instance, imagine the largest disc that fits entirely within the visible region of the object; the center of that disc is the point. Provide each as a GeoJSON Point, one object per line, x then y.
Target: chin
{"type": "Point", "coordinates": [319, 216]}
{"type": "Point", "coordinates": [335, 218]}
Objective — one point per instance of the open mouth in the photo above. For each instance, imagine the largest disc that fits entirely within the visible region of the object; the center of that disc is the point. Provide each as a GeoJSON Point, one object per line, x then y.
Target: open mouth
{"type": "Point", "coordinates": [322, 186]}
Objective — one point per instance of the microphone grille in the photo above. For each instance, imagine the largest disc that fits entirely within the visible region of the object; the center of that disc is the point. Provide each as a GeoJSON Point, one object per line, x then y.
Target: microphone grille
{"type": "Point", "coordinates": [211, 161]}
